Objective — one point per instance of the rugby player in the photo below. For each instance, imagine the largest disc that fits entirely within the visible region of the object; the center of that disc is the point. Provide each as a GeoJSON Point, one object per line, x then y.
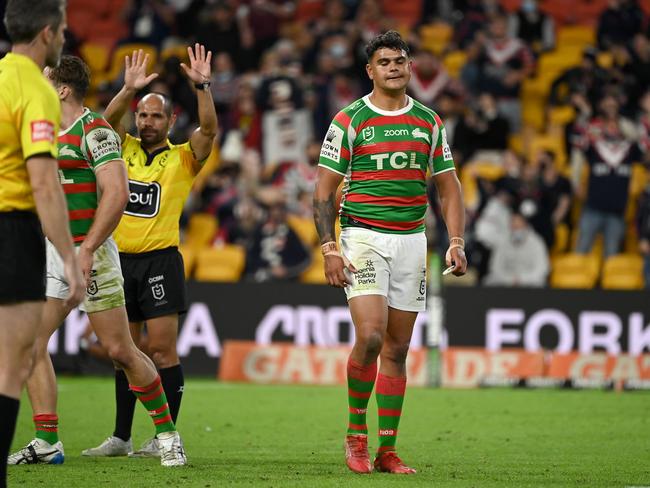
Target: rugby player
{"type": "Point", "coordinates": [94, 180]}
{"type": "Point", "coordinates": [383, 144]}
{"type": "Point", "coordinates": [160, 179]}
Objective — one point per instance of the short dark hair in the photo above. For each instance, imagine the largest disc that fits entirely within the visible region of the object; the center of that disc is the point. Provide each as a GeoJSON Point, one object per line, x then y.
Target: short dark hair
{"type": "Point", "coordinates": [24, 19]}
{"type": "Point", "coordinates": [390, 40]}
{"type": "Point", "coordinates": [72, 71]}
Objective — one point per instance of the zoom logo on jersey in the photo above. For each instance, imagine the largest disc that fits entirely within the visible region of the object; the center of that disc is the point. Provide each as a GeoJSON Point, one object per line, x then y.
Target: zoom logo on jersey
{"type": "Point", "coordinates": [395, 132]}
{"type": "Point", "coordinates": [144, 199]}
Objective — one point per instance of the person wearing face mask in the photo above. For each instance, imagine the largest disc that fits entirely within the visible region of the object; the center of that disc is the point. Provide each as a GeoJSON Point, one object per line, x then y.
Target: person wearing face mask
{"type": "Point", "coordinates": [519, 258]}
{"type": "Point", "coordinates": [532, 26]}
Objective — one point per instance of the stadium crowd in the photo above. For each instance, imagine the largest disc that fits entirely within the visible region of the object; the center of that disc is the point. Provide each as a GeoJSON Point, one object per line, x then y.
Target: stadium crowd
{"type": "Point", "coordinates": [547, 112]}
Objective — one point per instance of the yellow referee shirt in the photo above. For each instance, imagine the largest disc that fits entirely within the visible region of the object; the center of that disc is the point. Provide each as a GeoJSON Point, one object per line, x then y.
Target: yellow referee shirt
{"type": "Point", "coordinates": [30, 115]}
{"type": "Point", "coordinates": [159, 184]}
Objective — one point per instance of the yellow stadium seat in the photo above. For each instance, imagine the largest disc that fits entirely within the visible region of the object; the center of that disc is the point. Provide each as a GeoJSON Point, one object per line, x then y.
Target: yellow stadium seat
{"type": "Point", "coordinates": [561, 116]}
{"type": "Point", "coordinates": [201, 229]}
{"type": "Point", "coordinates": [189, 259]}
{"type": "Point", "coordinates": [95, 55]}
{"type": "Point", "coordinates": [561, 239]}
{"type": "Point", "coordinates": [573, 270]}
{"type": "Point", "coordinates": [576, 35]}
{"type": "Point", "coordinates": [454, 62]}
{"type": "Point", "coordinates": [516, 143]}
{"type": "Point", "coordinates": [548, 142]}
{"type": "Point", "coordinates": [179, 51]}
{"type": "Point", "coordinates": [314, 274]}
{"type": "Point", "coordinates": [435, 37]}
{"type": "Point", "coordinates": [305, 229]}
{"type": "Point", "coordinates": [220, 263]}
{"type": "Point", "coordinates": [117, 60]}
{"type": "Point", "coordinates": [623, 272]}
{"type": "Point", "coordinates": [553, 63]}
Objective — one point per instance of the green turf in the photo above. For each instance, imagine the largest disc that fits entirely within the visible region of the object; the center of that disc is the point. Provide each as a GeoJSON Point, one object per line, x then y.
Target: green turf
{"type": "Point", "coordinates": [240, 435]}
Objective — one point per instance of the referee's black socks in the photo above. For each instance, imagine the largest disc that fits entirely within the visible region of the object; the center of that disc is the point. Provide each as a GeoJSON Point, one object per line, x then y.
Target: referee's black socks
{"type": "Point", "coordinates": [173, 383]}
{"type": "Point", "coordinates": [8, 416]}
{"type": "Point", "coordinates": [124, 406]}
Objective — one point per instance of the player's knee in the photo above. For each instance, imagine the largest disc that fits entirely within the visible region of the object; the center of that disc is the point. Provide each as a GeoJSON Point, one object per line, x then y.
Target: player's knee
{"type": "Point", "coordinates": [163, 356]}
{"type": "Point", "coordinates": [121, 355]}
{"type": "Point", "coordinates": [371, 341]}
{"type": "Point", "coordinates": [395, 353]}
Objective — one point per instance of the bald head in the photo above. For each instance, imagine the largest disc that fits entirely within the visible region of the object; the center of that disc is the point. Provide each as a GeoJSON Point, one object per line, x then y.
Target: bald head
{"type": "Point", "coordinates": [154, 118]}
{"type": "Point", "coordinates": [163, 103]}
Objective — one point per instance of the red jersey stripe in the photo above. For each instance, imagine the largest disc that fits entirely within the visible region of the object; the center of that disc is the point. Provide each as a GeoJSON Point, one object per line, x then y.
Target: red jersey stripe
{"type": "Point", "coordinates": [80, 188]}
{"type": "Point", "coordinates": [96, 123]}
{"type": "Point", "coordinates": [343, 119]}
{"type": "Point", "coordinates": [395, 174]}
{"type": "Point", "coordinates": [73, 139]}
{"type": "Point", "coordinates": [391, 200]}
{"type": "Point", "coordinates": [73, 163]}
{"type": "Point", "coordinates": [345, 153]}
{"type": "Point", "coordinates": [382, 224]}
{"type": "Point", "coordinates": [88, 213]}
{"type": "Point", "coordinates": [383, 147]}
{"type": "Point", "coordinates": [394, 120]}
{"type": "Point", "coordinates": [389, 412]}
{"type": "Point", "coordinates": [437, 152]}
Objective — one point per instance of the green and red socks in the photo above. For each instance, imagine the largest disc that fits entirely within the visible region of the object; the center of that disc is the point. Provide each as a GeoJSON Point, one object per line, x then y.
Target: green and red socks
{"type": "Point", "coordinates": [47, 427]}
{"type": "Point", "coordinates": [361, 380]}
{"type": "Point", "coordinates": [154, 400]}
{"type": "Point", "coordinates": [390, 397]}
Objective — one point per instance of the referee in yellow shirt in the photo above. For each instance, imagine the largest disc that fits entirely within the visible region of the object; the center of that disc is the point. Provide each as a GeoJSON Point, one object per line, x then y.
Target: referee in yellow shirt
{"type": "Point", "coordinates": [160, 179]}
{"type": "Point", "coordinates": [29, 185]}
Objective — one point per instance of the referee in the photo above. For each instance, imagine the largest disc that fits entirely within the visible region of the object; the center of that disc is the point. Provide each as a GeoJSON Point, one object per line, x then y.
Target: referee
{"type": "Point", "coordinates": [160, 179]}
{"type": "Point", "coordinates": [29, 184]}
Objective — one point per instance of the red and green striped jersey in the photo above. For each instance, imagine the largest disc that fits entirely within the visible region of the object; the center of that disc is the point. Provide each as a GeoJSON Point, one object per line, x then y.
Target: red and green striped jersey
{"type": "Point", "coordinates": [384, 156]}
{"type": "Point", "coordinates": [87, 144]}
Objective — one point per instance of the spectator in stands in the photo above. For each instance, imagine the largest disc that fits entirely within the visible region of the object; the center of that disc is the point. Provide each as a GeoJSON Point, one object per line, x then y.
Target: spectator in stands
{"type": "Point", "coordinates": [532, 26]}
{"type": "Point", "coordinates": [224, 83]}
{"type": "Point", "coordinates": [609, 150]}
{"type": "Point", "coordinates": [587, 80]}
{"type": "Point", "coordinates": [519, 257]}
{"type": "Point", "coordinates": [332, 24]}
{"type": "Point", "coordinates": [474, 16]}
{"type": "Point", "coordinates": [643, 228]}
{"type": "Point", "coordinates": [264, 19]}
{"type": "Point", "coordinates": [498, 64]}
{"type": "Point", "coordinates": [482, 133]}
{"type": "Point", "coordinates": [557, 190]}
{"type": "Point", "coordinates": [533, 203]}
{"type": "Point", "coordinates": [151, 22]}
{"type": "Point", "coordinates": [220, 31]}
{"type": "Point", "coordinates": [643, 123]}
{"type": "Point", "coordinates": [619, 23]}
{"type": "Point", "coordinates": [636, 69]}
{"type": "Point", "coordinates": [429, 78]}
{"type": "Point", "coordinates": [276, 252]}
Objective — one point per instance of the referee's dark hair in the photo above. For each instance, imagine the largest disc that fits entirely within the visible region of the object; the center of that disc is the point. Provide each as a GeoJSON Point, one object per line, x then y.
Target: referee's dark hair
{"type": "Point", "coordinates": [24, 19]}
{"type": "Point", "coordinates": [390, 40]}
{"type": "Point", "coordinates": [71, 71]}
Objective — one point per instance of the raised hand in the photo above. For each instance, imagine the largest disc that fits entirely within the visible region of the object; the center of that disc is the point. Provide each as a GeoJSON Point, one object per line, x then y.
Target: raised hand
{"type": "Point", "coordinates": [200, 67]}
{"type": "Point", "coordinates": [135, 71]}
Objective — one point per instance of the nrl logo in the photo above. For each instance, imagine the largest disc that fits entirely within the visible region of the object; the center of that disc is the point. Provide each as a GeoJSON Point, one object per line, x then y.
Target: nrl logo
{"type": "Point", "coordinates": [368, 133]}
{"type": "Point", "coordinates": [158, 291]}
{"type": "Point", "coordinates": [331, 135]}
{"type": "Point", "coordinates": [100, 135]}
{"type": "Point", "coordinates": [92, 288]}
{"type": "Point", "coordinates": [418, 133]}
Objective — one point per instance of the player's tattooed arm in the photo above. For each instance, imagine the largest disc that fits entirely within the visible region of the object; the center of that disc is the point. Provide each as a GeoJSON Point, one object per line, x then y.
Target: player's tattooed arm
{"type": "Point", "coordinates": [327, 183]}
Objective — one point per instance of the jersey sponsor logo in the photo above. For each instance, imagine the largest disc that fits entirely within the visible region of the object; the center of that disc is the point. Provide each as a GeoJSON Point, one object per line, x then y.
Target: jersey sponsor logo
{"type": "Point", "coordinates": [446, 150]}
{"type": "Point", "coordinates": [331, 148]}
{"type": "Point", "coordinates": [102, 142]}
{"type": "Point", "coordinates": [397, 160]}
{"type": "Point", "coordinates": [42, 130]}
{"type": "Point", "coordinates": [395, 132]}
{"type": "Point", "coordinates": [144, 199]}
{"type": "Point", "coordinates": [368, 133]}
{"type": "Point", "coordinates": [419, 133]}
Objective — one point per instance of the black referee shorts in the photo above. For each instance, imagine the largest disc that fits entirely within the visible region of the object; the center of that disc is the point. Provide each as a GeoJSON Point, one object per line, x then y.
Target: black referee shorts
{"type": "Point", "coordinates": [22, 258]}
{"type": "Point", "coordinates": [154, 284]}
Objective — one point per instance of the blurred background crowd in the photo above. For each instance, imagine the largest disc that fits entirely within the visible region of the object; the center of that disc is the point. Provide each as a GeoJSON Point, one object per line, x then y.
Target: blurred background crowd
{"type": "Point", "coordinates": [546, 105]}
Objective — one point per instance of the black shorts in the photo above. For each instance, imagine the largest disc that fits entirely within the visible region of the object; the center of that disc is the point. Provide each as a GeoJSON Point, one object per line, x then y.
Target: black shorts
{"type": "Point", "coordinates": [154, 284]}
{"type": "Point", "coordinates": [22, 258]}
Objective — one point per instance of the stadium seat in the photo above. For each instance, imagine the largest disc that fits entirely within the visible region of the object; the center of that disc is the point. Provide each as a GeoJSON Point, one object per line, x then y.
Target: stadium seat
{"type": "Point", "coordinates": [179, 51]}
{"type": "Point", "coordinates": [561, 239]}
{"type": "Point", "coordinates": [189, 259]}
{"type": "Point", "coordinates": [220, 263]}
{"type": "Point", "coordinates": [406, 14]}
{"type": "Point", "coordinates": [117, 59]}
{"type": "Point", "coordinates": [305, 229]}
{"type": "Point", "coordinates": [561, 116]}
{"type": "Point", "coordinates": [201, 229]}
{"type": "Point", "coordinates": [96, 57]}
{"type": "Point", "coordinates": [576, 35]}
{"type": "Point", "coordinates": [623, 272]}
{"type": "Point", "coordinates": [573, 270]}
{"type": "Point", "coordinates": [314, 274]}
{"type": "Point", "coordinates": [435, 37]}
{"type": "Point", "coordinates": [454, 62]}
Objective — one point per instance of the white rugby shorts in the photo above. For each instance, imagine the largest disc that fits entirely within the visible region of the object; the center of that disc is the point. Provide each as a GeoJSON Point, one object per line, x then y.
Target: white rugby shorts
{"type": "Point", "coordinates": [392, 265]}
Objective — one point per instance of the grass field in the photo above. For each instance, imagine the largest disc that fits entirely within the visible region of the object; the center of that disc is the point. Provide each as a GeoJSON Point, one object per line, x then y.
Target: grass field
{"type": "Point", "coordinates": [240, 435]}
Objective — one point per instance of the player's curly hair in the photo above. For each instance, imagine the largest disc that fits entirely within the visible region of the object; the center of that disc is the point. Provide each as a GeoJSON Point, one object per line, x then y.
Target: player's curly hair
{"type": "Point", "coordinates": [71, 71]}
{"type": "Point", "coordinates": [390, 40]}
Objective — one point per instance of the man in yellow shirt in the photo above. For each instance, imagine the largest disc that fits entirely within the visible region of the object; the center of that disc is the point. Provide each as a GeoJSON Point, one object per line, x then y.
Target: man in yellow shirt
{"type": "Point", "coordinates": [29, 184]}
{"type": "Point", "coordinates": [160, 179]}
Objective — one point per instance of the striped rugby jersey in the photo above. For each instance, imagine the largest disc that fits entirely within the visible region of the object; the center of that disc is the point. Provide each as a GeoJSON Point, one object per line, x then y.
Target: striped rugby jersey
{"type": "Point", "coordinates": [384, 156]}
{"type": "Point", "coordinates": [86, 145]}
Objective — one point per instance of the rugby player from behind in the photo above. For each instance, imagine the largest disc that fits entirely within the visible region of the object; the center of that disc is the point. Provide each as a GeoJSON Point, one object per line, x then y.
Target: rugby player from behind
{"type": "Point", "coordinates": [383, 144]}
{"type": "Point", "coordinates": [94, 180]}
